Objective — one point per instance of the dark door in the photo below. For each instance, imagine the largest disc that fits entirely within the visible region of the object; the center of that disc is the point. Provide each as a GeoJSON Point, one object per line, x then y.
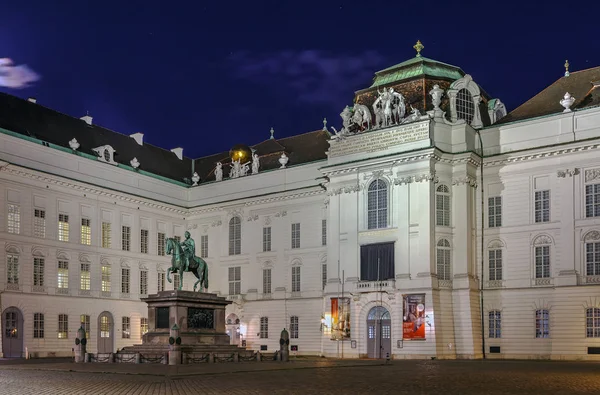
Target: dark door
{"type": "Point", "coordinates": [105, 333]}
{"type": "Point", "coordinates": [12, 334]}
{"type": "Point", "coordinates": [379, 333]}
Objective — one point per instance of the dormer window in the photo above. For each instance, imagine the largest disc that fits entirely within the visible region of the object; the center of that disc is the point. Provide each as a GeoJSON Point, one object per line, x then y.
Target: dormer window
{"type": "Point", "coordinates": [464, 106]}
{"type": "Point", "coordinates": [106, 154]}
{"type": "Point", "coordinates": [465, 96]}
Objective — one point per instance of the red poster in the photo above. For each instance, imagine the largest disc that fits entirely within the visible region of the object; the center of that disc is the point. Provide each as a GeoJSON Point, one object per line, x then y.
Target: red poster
{"type": "Point", "coordinates": [413, 323]}
{"type": "Point", "coordinates": [340, 318]}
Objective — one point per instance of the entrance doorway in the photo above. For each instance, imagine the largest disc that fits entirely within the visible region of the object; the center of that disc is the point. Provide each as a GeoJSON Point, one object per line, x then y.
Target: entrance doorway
{"type": "Point", "coordinates": [105, 333]}
{"type": "Point", "coordinates": [379, 333]}
{"type": "Point", "coordinates": [232, 324]}
{"type": "Point", "coordinates": [12, 334]}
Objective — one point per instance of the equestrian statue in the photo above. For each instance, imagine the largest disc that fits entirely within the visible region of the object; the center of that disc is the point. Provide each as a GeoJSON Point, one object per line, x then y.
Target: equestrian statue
{"type": "Point", "coordinates": [185, 260]}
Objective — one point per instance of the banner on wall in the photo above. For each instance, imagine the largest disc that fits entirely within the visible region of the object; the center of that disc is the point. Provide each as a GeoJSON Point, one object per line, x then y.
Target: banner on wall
{"type": "Point", "coordinates": [340, 318]}
{"type": "Point", "coordinates": [413, 325]}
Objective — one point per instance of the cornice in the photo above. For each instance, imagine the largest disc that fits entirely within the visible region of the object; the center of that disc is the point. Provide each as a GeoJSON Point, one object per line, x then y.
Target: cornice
{"type": "Point", "coordinates": [539, 155]}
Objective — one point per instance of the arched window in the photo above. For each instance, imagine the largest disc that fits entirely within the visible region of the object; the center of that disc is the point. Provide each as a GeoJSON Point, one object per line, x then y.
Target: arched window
{"type": "Point", "coordinates": [377, 205]}
{"type": "Point", "coordinates": [542, 257]}
{"type": "Point", "coordinates": [443, 259]}
{"type": "Point", "coordinates": [465, 109]}
{"type": "Point", "coordinates": [378, 313]}
{"type": "Point", "coordinates": [235, 236]}
{"type": "Point", "coordinates": [592, 325]}
{"type": "Point", "coordinates": [442, 206]}
{"type": "Point", "coordinates": [495, 264]}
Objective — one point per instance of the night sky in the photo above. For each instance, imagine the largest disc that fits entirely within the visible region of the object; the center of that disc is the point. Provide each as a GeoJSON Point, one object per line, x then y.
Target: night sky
{"type": "Point", "coordinates": [208, 75]}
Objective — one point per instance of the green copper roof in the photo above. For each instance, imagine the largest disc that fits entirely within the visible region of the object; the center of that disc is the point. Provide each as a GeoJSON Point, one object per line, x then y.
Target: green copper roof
{"type": "Point", "coordinates": [416, 67]}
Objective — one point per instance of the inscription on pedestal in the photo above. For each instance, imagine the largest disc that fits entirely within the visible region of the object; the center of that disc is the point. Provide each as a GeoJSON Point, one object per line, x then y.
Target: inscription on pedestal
{"type": "Point", "coordinates": [201, 318]}
{"type": "Point", "coordinates": [162, 318]}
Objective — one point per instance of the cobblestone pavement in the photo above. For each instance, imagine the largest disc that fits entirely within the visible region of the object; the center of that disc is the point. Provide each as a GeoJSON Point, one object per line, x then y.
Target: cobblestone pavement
{"type": "Point", "coordinates": [310, 377]}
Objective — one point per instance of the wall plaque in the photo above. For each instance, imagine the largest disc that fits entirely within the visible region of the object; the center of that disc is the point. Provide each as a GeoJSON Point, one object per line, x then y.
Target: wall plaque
{"type": "Point", "coordinates": [162, 317]}
{"type": "Point", "coordinates": [201, 318]}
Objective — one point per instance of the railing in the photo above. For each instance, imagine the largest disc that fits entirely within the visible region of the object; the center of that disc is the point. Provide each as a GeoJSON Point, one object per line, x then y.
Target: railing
{"type": "Point", "coordinates": [495, 284]}
{"type": "Point", "coordinates": [543, 282]}
{"type": "Point", "coordinates": [444, 283]}
{"type": "Point", "coordinates": [371, 286]}
{"type": "Point", "coordinates": [587, 280]}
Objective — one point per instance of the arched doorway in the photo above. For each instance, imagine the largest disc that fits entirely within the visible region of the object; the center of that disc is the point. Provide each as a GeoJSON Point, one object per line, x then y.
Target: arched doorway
{"type": "Point", "coordinates": [232, 324]}
{"type": "Point", "coordinates": [12, 334]}
{"type": "Point", "coordinates": [105, 333]}
{"type": "Point", "coordinates": [379, 333]}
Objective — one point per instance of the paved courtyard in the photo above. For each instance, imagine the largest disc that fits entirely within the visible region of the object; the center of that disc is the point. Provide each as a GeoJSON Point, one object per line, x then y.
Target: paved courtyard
{"type": "Point", "coordinates": [303, 377]}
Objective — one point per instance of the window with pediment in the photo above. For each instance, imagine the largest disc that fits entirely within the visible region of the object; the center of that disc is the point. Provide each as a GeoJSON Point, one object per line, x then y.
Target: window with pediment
{"type": "Point", "coordinates": [443, 253]}
{"type": "Point", "coordinates": [235, 236]}
{"type": "Point", "coordinates": [377, 204]}
{"type": "Point", "coordinates": [442, 205]}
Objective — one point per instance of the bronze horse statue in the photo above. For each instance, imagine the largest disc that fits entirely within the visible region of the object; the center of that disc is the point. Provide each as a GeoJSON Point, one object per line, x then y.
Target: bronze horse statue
{"type": "Point", "coordinates": [197, 265]}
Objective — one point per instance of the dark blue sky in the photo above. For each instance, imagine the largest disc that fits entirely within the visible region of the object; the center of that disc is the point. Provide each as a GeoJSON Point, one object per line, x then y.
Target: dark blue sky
{"type": "Point", "coordinates": [207, 75]}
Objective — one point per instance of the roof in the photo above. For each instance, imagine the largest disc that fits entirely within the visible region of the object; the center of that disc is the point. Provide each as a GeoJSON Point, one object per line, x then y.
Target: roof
{"type": "Point", "coordinates": [416, 67]}
{"type": "Point", "coordinates": [583, 85]}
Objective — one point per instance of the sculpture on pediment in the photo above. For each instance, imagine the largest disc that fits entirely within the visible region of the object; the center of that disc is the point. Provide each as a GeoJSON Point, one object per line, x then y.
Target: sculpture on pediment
{"type": "Point", "coordinates": [414, 115]}
{"type": "Point", "coordinates": [362, 116]}
{"type": "Point", "coordinates": [236, 169]}
{"type": "Point", "coordinates": [389, 108]}
{"type": "Point", "coordinates": [244, 169]}
{"type": "Point", "coordinates": [255, 163]}
{"type": "Point", "coordinates": [219, 171]}
{"type": "Point", "coordinates": [347, 121]}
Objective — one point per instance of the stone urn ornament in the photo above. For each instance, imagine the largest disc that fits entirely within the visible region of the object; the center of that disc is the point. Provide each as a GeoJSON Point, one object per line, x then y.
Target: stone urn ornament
{"type": "Point", "coordinates": [567, 102]}
{"type": "Point", "coordinates": [283, 160]}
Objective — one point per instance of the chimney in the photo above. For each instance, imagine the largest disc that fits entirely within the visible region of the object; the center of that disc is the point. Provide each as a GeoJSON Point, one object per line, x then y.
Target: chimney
{"type": "Point", "coordinates": [32, 100]}
{"type": "Point", "coordinates": [138, 137]}
{"type": "Point", "coordinates": [179, 152]}
{"type": "Point", "coordinates": [87, 118]}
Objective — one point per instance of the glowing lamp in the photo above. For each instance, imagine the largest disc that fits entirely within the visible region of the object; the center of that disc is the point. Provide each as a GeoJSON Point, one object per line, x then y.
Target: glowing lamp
{"type": "Point", "coordinates": [240, 152]}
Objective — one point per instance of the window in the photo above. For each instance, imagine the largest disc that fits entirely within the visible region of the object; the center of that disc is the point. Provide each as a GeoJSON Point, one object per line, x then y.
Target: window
{"type": "Point", "coordinates": [10, 324]}
{"type": "Point", "coordinates": [495, 264]}
{"type": "Point", "coordinates": [495, 324]}
{"type": "Point", "coordinates": [264, 328]}
{"type": "Point", "coordinates": [125, 280]}
{"type": "Point", "coordinates": [161, 281]}
{"type": "Point", "coordinates": [542, 206]}
{"type": "Point", "coordinates": [592, 322]}
{"type": "Point", "coordinates": [84, 319]}
{"type": "Point", "coordinates": [143, 282]}
{"type": "Point", "coordinates": [377, 262]}
{"type": "Point", "coordinates": [204, 246]}
{"type": "Point", "coordinates": [465, 108]}
{"type": "Point", "coordinates": [293, 327]}
{"type": "Point", "coordinates": [12, 270]}
{"type": "Point", "coordinates": [377, 205]}
{"type": "Point", "coordinates": [296, 279]}
{"type": "Point", "coordinates": [176, 281]}
{"type": "Point", "coordinates": [542, 262]}
{"type": "Point", "coordinates": [296, 235]}
{"type": "Point", "coordinates": [161, 243]}
{"type": "Point", "coordinates": [143, 326]}
{"type": "Point", "coordinates": [144, 241]}
{"type": "Point", "coordinates": [542, 324]}
{"type": "Point", "coordinates": [105, 278]}
{"type": "Point", "coordinates": [442, 206]}
{"type": "Point", "coordinates": [126, 328]}
{"type": "Point", "coordinates": [126, 238]}
{"type": "Point", "coordinates": [324, 275]}
{"type": "Point", "coordinates": [592, 200]}
{"type": "Point", "coordinates": [63, 326]}
{"type": "Point", "coordinates": [38, 326]}
{"type": "Point", "coordinates": [38, 272]}
{"type": "Point", "coordinates": [323, 232]}
{"type": "Point", "coordinates": [105, 234]}
{"type": "Point", "coordinates": [266, 238]}
{"type": "Point", "coordinates": [495, 211]}
{"type": "Point", "coordinates": [85, 277]}
{"type": "Point", "coordinates": [39, 223]}
{"type": "Point", "coordinates": [267, 281]}
{"type": "Point", "coordinates": [235, 280]}
{"type": "Point", "coordinates": [14, 219]}
{"type": "Point", "coordinates": [63, 227]}
{"type": "Point", "coordinates": [235, 236]}
{"type": "Point", "coordinates": [86, 232]}
{"type": "Point", "coordinates": [104, 326]}
{"type": "Point", "coordinates": [63, 274]}
{"type": "Point", "coordinates": [443, 259]}
{"type": "Point", "coordinates": [592, 259]}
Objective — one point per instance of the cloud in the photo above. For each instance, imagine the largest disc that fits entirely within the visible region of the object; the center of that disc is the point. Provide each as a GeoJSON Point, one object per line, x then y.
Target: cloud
{"type": "Point", "coordinates": [16, 77]}
{"type": "Point", "coordinates": [310, 76]}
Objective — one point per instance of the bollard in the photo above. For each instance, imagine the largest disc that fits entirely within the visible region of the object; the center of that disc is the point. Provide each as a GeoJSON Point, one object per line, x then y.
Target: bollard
{"type": "Point", "coordinates": [387, 358]}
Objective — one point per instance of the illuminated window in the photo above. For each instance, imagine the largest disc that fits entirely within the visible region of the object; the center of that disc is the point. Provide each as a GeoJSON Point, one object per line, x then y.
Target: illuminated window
{"type": "Point", "coordinates": [495, 324]}
{"type": "Point", "coordinates": [63, 274]}
{"type": "Point", "coordinates": [12, 270]}
{"type": "Point", "coordinates": [443, 253]}
{"type": "Point", "coordinates": [14, 219]}
{"type": "Point", "coordinates": [144, 241]}
{"type": "Point", "coordinates": [377, 205]}
{"type": "Point", "coordinates": [143, 326]}
{"type": "Point", "coordinates": [465, 108]}
{"type": "Point", "coordinates": [126, 238]}
{"type": "Point", "coordinates": [143, 282]}
{"type": "Point", "coordinates": [63, 326]}
{"type": "Point", "coordinates": [38, 272]}
{"type": "Point", "coordinates": [442, 206]}
{"type": "Point", "coordinates": [235, 280]}
{"type": "Point", "coordinates": [104, 327]}
{"type": "Point", "coordinates": [293, 327]}
{"type": "Point", "coordinates": [264, 328]}
{"type": "Point", "coordinates": [161, 244]}
{"type": "Point", "coordinates": [161, 281]}
{"type": "Point", "coordinates": [63, 227]}
{"type": "Point", "coordinates": [85, 277]}
{"type": "Point", "coordinates": [125, 280]}
{"type": "Point", "coordinates": [495, 264]}
{"type": "Point", "coordinates": [86, 232]}
{"type": "Point", "coordinates": [495, 211]}
{"type": "Point", "coordinates": [105, 278]}
{"type": "Point", "coordinates": [542, 323]}
{"type": "Point", "coordinates": [39, 223]}
{"type": "Point", "coordinates": [85, 323]}
{"type": "Point", "coordinates": [105, 234]}
{"type": "Point", "coordinates": [38, 326]}
{"type": "Point", "coordinates": [542, 206]}
{"type": "Point", "coordinates": [235, 236]}
{"type": "Point", "coordinates": [296, 235]}
{"type": "Point", "coordinates": [592, 322]}
{"type": "Point", "coordinates": [126, 327]}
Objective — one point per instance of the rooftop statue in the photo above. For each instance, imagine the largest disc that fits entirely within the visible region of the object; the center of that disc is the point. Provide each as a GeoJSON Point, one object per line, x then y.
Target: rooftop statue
{"type": "Point", "coordinates": [185, 260]}
{"type": "Point", "coordinates": [219, 172]}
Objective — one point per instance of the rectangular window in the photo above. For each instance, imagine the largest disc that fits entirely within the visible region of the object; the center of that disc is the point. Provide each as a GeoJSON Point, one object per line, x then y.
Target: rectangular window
{"type": "Point", "coordinates": [204, 246]}
{"type": "Point", "coordinates": [495, 263]}
{"type": "Point", "coordinates": [495, 211]}
{"type": "Point", "coordinates": [14, 219]}
{"type": "Point", "coordinates": [323, 232]}
{"type": "Point", "coordinates": [442, 206]}
{"type": "Point", "coordinates": [85, 277]}
{"type": "Point", "coordinates": [296, 279]}
{"type": "Point", "coordinates": [63, 274]}
{"type": "Point", "coordinates": [235, 280]}
{"type": "Point", "coordinates": [176, 281]}
{"type": "Point", "coordinates": [63, 326]}
{"type": "Point", "coordinates": [126, 238]}
{"type": "Point", "coordinates": [106, 279]}
{"type": "Point", "coordinates": [12, 269]}
{"type": "Point", "coordinates": [38, 326]}
{"type": "Point", "coordinates": [144, 282]}
{"type": "Point", "coordinates": [161, 281]}
{"type": "Point", "coordinates": [542, 324]}
{"type": "Point", "coordinates": [84, 320]}
{"type": "Point", "coordinates": [143, 326]}
{"type": "Point", "coordinates": [144, 241]}
{"type": "Point", "coordinates": [542, 206]}
{"type": "Point", "coordinates": [86, 232]}
{"type": "Point", "coordinates": [266, 238]}
{"type": "Point", "coordinates": [161, 244]}
{"type": "Point", "coordinates": [125, 280]}
{"type": "Point", "coordinates": [592, 259]}
{"type": "Point", "coordinates": [126, 328]}
{"type": "Point", "coordinates": [105, 234]}
{"type": "Point", "coordinates": [377, 262]}
{"type": "Point", "coordinates": [495, 324]}
{"type": "Point", "coordinates": [296, 235]}
{"type": "Point", "coordinates": [542, 262]}
{"type": "Point", "coordinates": [267, 281]}
{"type": "Point", "coordinates": [324, 275]}
{"type": "Point", "coordinates": [592, 318]}
{"type": "Point", "coordinates": [38, 272]}
{"type": "Point", "coordinates": [293, 327]}
{"type": "Point", "coordinates": [264, 328]}
{"type": "Point", "coordinates": [39, 223]}
{"type": "Point", "coordinates": [592, 200]}
{"type": "Point", "coordinates": [63, 227]}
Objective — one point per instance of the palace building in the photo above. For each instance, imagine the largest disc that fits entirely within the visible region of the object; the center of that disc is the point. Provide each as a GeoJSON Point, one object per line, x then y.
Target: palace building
{"type": "Point", "coordinates": [432, 224]}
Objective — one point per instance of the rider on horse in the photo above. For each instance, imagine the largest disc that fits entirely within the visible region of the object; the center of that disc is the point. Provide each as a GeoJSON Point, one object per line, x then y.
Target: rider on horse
{"type": "Point", "coordinates": [189, 251]}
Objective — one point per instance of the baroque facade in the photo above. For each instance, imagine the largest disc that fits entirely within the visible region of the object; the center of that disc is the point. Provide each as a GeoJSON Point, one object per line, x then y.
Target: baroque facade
{"type": "Point", "coordinates": [432, 224]}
